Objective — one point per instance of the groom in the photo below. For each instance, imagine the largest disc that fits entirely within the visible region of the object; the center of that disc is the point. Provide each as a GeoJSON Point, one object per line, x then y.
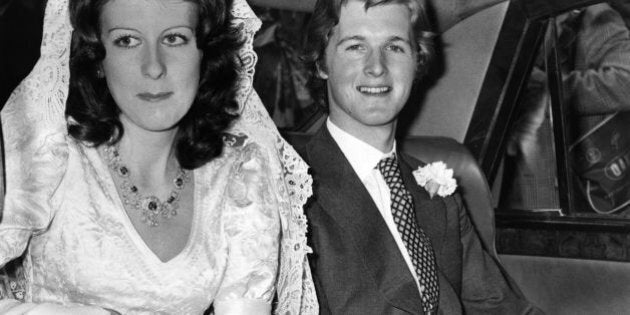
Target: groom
{"type": "Point", "coordinates": [381, 244]}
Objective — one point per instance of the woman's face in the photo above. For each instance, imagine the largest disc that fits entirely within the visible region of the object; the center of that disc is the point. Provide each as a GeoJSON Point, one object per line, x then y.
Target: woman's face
{"type": "Point", "coordinates": [151, 60]}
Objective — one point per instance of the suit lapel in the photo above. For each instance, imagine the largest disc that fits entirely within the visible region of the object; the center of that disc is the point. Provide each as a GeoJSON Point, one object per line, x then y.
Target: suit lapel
{"type": "Point", "coordinates": [342, 195]}
{"type": "Point", "coordinates": [430, 212]}
{"type": "Point", "coordinates": [432, 218]}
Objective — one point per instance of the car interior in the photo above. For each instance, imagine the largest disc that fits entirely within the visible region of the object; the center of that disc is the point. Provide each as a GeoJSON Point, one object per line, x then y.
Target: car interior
{"type": "Point", "coordinates": [564, 260]}
{"type": "Point", "coordinates": [565, 257]}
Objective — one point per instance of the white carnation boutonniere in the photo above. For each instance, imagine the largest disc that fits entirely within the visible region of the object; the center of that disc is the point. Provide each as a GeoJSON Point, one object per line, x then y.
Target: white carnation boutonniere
{"type": "Point", "coordinates": [436, 178]}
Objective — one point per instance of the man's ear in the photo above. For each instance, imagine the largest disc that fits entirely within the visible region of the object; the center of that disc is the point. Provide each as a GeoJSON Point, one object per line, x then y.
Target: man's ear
{"type": "Point", "coordinates": [321, 71]}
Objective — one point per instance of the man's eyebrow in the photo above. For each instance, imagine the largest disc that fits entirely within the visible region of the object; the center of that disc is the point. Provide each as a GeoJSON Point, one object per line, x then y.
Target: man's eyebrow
{"type": "Point", "coordinates": [399, 39]}
{"type": "Point", "coordinates": [391, 39]}
{"type": "Point", "coordinates": [349, 38]}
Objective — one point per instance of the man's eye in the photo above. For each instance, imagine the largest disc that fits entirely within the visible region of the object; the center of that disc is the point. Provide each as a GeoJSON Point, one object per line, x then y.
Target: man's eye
{"type": "Point", "coordinates": [175, 40]}
{"type": "Point", "coordinates": [126, 41]}
{"type": "Point", "coordinates": [396, 48]}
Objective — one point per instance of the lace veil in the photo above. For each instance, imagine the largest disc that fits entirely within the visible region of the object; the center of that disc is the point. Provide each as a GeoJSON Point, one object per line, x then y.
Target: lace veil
{"type": "Point", "coordinates": [39, 102]}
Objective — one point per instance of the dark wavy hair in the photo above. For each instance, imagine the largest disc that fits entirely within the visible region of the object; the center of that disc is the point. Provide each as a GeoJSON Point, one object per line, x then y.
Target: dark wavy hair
{"type": "Point", "coordinates": [94, 116]}
{"type": "Point", "coordinates": [326, 16]}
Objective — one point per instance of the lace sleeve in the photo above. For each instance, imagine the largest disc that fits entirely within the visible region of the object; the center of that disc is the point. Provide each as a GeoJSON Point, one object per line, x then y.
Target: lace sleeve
{"type": "Point", "coordinates": [33, 127]}
{"type": "Point", "coordinates": [252, 229]}
{"type": "Point", "coordinates": [288, 176]}
{"type": "Point", "coordinates": [15, 307]}
{"type": "Point", "coordinates": [34, 170]}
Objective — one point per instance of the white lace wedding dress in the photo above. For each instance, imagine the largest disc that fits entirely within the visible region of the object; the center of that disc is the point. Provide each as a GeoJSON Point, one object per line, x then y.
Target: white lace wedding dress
{"type": "Point", "coordinates": [248, 233]}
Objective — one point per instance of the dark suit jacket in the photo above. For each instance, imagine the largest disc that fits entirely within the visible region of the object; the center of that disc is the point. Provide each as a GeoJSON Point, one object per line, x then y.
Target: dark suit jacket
{"type": "Point", "coordinates": [357, 266]}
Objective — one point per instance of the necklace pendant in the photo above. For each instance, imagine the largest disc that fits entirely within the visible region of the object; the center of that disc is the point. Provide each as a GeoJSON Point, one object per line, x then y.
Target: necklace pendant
{"type": "Point", "coordinates": [151, 204]}
{"type": "Point", "coordinates": [150, 207]}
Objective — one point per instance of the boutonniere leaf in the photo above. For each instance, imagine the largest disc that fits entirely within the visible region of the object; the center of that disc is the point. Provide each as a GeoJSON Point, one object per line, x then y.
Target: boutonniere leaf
{"type": "Point", "coordinates": [436, 179]}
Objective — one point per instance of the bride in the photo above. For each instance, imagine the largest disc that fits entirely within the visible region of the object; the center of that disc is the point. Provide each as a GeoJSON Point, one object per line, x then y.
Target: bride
{"type": "Point", "coordinates": [143, 174]}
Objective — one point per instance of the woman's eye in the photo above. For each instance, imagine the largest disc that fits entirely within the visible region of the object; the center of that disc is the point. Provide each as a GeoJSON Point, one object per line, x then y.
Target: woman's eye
{"type": "Point", "coordinates": [355, 47]}
{"type": "Point", "coordinates": [175, 40]}
{"type": "Point", "coordinates": [126, 41]}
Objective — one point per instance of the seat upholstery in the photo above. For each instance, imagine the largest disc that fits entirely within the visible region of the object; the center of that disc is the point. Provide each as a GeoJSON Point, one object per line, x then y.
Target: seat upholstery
{"type": "Point", "coordinates": [565, 286]}
{"type": "Point", "coordinates": [471, 181]}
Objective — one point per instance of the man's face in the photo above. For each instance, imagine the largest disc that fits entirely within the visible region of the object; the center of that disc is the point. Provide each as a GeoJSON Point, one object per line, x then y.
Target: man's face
{"type": "Point", "coordinates": [370, 66]}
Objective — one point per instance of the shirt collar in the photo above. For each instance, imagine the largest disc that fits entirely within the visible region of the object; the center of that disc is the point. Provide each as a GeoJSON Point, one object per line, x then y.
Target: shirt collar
{"type": "Point", "coordinates": [362, 157]}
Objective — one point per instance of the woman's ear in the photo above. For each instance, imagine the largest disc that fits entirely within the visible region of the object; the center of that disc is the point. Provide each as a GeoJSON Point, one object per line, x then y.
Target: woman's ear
{"type": "Point", "coordinates": [99, 72]}
{"type": "Point", "coordinates": [321, 71]}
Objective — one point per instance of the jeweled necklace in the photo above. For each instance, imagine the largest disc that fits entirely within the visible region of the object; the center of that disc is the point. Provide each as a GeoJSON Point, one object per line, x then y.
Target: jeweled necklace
{"type": "Point", "coordinates": [150, 207]}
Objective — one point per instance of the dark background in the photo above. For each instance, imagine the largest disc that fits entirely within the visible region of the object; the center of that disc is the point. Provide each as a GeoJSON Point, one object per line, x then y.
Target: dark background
{"type": "Point", "coordinates": [20, 36]}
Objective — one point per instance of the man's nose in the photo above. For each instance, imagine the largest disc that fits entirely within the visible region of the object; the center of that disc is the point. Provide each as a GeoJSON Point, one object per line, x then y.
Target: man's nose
{"type": "Point", "coordinates": [375, 64]}
{"type": "Point", "coordinates": [153, 65]}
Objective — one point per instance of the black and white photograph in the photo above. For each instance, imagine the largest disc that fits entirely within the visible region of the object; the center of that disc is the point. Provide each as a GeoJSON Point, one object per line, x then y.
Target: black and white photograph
{"type": "Point", "coordinates": [304, 157]}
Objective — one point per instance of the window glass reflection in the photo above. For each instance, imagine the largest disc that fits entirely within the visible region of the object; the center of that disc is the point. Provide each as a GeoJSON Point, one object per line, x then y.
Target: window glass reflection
{"type": "Point", "coordinates": [530, 176]}
{"type": "Point", "coordinates": [593, 49]}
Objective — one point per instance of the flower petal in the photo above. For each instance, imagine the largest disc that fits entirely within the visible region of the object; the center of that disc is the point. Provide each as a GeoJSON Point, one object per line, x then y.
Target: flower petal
{"type": "Point", "coordinates": [436, 178]}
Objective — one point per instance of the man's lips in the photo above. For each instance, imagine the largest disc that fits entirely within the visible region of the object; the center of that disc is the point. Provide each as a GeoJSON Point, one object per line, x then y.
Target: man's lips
{"type": "Point", "coordinates": [374, 90]}
{"type": "Point", "coordinates": [154, 97]}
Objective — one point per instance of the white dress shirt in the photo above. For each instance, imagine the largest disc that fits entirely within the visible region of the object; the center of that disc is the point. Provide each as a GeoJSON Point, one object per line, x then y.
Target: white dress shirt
{"type": "Point", "coordinates": [364, 158]}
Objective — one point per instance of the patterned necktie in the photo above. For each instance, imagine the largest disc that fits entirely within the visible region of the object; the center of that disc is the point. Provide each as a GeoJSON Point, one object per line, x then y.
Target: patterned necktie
{"type": "Point", "coordinates": [417, 243]}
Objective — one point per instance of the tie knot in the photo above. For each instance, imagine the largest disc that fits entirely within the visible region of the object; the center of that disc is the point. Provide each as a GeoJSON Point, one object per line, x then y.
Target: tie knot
{"type": "Point", "coordinates": [389, 168]}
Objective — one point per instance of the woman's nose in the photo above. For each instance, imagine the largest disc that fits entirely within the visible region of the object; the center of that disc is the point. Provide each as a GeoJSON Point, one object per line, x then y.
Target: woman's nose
{"type": "Point", "coordinates": [153, 65]}
{"type": "Point", "coordinates": [375, 63]}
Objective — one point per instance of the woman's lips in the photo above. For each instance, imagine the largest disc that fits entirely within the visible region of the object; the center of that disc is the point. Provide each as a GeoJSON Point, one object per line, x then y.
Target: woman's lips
{"type": "Point", "coordinates": [150, 97]}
